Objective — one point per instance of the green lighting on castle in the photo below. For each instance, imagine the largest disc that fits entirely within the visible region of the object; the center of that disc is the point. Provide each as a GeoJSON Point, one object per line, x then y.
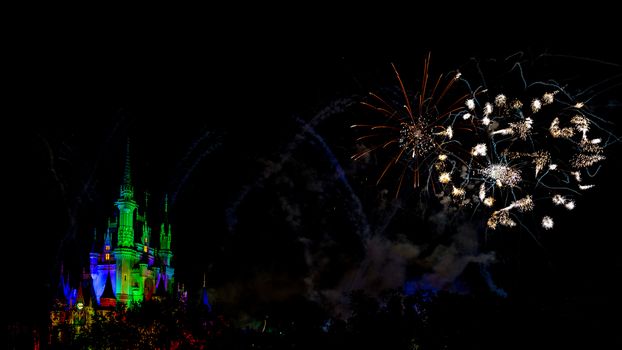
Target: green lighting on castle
{"type": "Point", "coordinates": [136, 270]}
{"type": "Point", "coordinates": [125, 268]}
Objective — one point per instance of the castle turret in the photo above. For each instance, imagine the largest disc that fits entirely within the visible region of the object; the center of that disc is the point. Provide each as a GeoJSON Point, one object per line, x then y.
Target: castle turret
{"type": "Point", "coordinates": [204, 297]}
{"type": "Point", "coordinates": [124, 253]}
{"type": "Point", "coordinates": [146, 237]}
{"type": "Point", "coordinates": [126, 205]}
{"type": "Point", "coordinates": [94, 256]}
{"type": "Point", "coordinates": [165, 230]}
{"type": "Point", "coordinates": [165, 253]}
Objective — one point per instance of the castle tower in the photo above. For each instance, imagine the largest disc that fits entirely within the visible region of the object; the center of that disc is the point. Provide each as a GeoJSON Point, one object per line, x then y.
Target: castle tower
{"type": "Point", "coordinates": [124, 253]}
{"type": "Point", "coordinates": [165, 253]}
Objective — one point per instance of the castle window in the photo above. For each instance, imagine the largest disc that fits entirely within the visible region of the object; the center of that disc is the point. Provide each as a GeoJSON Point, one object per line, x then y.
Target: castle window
{"type": "Point", "coordinates": [145, 248]}
{"type": "Point", "coordinates": [107, 256]}
{"type": "Point", "coordinates": [107, 247]}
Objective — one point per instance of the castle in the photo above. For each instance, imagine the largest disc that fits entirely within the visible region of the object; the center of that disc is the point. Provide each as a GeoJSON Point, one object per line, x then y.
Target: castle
{"type": "Point", "coordinates": [135, 269]}
{"type": "Point", "coordinates": [124, 268]}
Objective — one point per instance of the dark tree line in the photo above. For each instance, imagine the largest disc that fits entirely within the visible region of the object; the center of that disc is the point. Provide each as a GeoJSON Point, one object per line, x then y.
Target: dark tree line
{"type": "Point", "coordinates": [391, 320]}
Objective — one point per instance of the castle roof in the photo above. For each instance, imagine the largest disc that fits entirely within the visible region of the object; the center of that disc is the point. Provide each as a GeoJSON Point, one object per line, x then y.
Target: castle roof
{"type": "Point", "coordinates": [108, 293]}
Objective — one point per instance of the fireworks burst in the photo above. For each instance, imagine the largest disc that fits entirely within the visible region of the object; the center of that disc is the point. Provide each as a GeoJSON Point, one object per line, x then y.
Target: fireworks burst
{"type": "Point", "coordinates": [500, 154]}
{"type": "Point", "coordinates": [417, 133]}
{"type": "Point", "coordinates": [522, 151]}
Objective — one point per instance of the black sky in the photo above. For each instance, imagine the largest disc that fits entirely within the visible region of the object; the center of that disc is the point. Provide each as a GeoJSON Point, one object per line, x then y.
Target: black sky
{"type": "Point", "coordinates": [218, 124]}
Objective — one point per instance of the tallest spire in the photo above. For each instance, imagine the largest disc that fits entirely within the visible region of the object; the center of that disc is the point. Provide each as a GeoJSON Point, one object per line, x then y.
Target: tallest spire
{"type": "Point", "coordinates": [127, 175]}
{"type": "Point", "coordinates": [127, 190]}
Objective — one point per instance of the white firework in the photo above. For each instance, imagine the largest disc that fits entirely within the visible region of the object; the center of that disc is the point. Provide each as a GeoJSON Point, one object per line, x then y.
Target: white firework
{"type": "Point", "coordinates": [547, 222]}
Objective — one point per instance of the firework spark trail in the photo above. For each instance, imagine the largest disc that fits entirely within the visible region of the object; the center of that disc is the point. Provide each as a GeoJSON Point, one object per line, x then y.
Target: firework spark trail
{"type": "Point", "coordinates": [363, 224]}
{"type": "Point", "coordinates": [580, 58]}
{"type": "Point", "coordinates": [76, 202]}
{"type": "Point", "coordinates": [214, 143]}
{"type": "Point", "coordinates": [307, 133]}
{"type": "Point", "coordinates": [333, 108]}
{"type": "Point", "coordinates": [363, 227]}
{"type": "Point", "coordinates": [198, 142]}
{"type": "Point", "coordinates": [375, 258]}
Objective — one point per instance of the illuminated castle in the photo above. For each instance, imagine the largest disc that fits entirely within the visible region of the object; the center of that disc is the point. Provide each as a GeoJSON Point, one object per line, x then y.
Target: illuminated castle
{"type": "Point", "coordinates": [133, 269]}
{"type": "Point", "coordinates": [126, 267]}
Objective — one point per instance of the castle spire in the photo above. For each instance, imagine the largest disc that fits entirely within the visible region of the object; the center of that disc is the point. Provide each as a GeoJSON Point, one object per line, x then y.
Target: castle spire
{"type": "Point", "coordinates": [165, 253]}
{"type": "Point", "coordinates": [165, 230]}
{"type": "Point", "coordinates": [124, 253]}
{"type": "Point", "coordinates": [146, 202]}
{"type": "Point", "coordinates": [127, 174]}
{"type": "Point", "coordinates": [94, 240]}
{"type": "Point", "coordinates": [146, 238]}
{"type": "Point", "coordinates": [127, 190]}
{"type": "Point", "coordinates": [126, 205]}
{"type": "Point", "coordinates": [205, 297]}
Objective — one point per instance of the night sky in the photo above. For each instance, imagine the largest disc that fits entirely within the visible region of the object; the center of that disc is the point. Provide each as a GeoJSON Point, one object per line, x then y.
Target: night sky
{"type": "Point", "coordinates": [253, 147]}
